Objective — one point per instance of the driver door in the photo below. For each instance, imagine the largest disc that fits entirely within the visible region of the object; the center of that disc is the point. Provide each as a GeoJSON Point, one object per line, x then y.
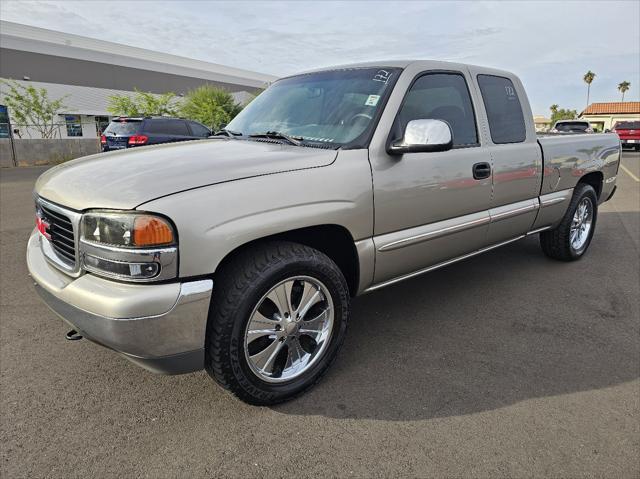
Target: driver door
{"type": "Point", "coordinates": [430, 207]}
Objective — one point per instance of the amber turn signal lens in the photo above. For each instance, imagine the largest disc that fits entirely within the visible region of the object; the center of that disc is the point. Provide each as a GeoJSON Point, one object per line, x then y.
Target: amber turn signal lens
{"type": "Point", "coordinates": [151, 231]}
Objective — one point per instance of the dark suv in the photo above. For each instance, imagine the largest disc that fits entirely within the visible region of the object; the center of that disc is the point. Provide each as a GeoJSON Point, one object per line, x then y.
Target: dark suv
{"type": "Point", "coordinates": [127, 132]}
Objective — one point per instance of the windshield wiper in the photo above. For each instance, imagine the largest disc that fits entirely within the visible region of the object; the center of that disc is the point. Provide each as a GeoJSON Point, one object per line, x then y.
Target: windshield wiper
{"type": "Point", "coordinates": [276, 135]}
{"type": "Point", "coordinates": [225, 132]}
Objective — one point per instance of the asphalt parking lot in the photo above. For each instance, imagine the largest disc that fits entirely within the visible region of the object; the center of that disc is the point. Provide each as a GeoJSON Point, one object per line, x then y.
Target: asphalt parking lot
{"type": "Point", "coordinates": [508, 364]}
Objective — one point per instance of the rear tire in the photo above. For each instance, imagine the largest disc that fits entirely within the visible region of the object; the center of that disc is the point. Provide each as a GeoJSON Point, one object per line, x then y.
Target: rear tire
{"type": "Point", "coordinates": [277, 319]}
{"type": "Point", "coordinates": [570, 240]}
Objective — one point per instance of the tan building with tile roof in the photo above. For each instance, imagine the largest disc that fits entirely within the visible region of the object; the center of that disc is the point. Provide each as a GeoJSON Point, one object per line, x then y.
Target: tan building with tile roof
{"type": "Point", "coordinates": [604, 116]}
{"type": "Point", "coordinates": [542, 123]}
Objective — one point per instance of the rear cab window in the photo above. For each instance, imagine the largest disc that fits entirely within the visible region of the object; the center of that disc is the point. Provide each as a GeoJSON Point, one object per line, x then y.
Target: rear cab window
{"type": "Point", "coordinates": [627, 125]}
{"type": "Point", "coordinates": [504, 111]}
{"type": "Point", "coordinates": [123, 127]}
{"type": "Point", "coordinates": [572, 126]}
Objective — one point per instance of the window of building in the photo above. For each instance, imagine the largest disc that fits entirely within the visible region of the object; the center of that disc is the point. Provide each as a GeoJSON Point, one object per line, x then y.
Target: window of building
{"type": "Point", "coordinates": [504, 112]}
{"type": "Point", "coordinates": [74, 125]}
{"type": "Point", "coordinates": [4, 122]}
{"type": "Point", "coordinates": [441, 96]}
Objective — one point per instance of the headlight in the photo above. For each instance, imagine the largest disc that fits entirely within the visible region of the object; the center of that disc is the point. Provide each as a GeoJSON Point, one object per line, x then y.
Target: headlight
{"type": "Point", "coordinates": [129, 246]}
{"type": "Point", "coordinates": [127, 229]}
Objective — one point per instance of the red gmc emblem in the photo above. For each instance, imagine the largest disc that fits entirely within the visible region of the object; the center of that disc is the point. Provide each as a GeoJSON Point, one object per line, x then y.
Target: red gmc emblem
{"type": "Point", "coordinates": [43, 225]}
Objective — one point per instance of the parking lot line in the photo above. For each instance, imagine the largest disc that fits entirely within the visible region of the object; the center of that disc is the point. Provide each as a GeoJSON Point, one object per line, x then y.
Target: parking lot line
{"type": "Point", "coordinates": [626, 170]}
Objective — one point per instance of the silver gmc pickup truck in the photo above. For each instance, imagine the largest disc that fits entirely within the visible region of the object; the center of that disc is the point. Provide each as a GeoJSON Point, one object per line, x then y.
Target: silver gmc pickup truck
{"type": "Point", "coordinates": [239, 253]}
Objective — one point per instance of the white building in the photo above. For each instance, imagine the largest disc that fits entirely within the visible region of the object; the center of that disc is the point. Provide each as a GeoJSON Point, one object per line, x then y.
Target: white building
{"type": "Point", "coordinates": [86, 72]}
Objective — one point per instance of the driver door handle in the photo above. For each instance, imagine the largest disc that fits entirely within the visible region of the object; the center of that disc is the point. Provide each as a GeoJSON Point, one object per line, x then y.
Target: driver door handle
{"type": "Point", "coordinates": [481, 171]}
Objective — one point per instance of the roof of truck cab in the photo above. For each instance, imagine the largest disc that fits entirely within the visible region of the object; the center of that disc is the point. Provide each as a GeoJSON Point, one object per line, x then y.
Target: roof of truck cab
{"type": "Point", "coordinates": [420, 64]}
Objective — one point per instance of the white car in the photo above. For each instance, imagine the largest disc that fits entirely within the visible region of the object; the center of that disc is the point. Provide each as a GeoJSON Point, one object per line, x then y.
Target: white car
{"type": "Point", "coordinates": [572, 126]}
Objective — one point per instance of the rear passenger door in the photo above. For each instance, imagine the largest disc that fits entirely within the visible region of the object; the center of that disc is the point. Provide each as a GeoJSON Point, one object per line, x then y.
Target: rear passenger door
{"type": "Point", "coordinates": [516, 158]}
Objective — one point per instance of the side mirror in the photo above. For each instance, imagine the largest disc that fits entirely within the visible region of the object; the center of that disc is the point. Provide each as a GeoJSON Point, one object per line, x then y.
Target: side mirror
{"type": "Point", "coordinates": [423, 136]}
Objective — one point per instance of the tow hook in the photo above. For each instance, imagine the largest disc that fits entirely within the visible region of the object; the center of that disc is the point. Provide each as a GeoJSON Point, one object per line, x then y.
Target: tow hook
{"type": "Point", "coordinates": [73, 335]}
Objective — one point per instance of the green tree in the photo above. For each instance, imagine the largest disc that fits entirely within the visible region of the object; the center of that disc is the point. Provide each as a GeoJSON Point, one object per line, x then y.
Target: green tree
{"type": "Point", "coordinates": [143, 104]}
{"type": "Point", "coordinates": [31, 106]}
{"type": "Point", "coordinates": [210, 105]}
{"type": "Point", "coordinates": [588, 79]}
{"type": "Point", "coordinates": [623, 88]}
{"type": "Point", "coordinates": [558, 113]}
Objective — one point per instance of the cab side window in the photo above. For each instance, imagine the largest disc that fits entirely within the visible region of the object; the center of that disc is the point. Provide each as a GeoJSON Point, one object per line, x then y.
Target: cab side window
{"type": "Point", "coordinates": [504, 112]}
{"type": "Point", "coordinates": [441, 96]}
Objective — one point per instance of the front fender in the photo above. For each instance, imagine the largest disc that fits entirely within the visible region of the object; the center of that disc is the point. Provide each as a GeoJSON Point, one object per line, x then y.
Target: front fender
{"type": "Point", "coordinates": [215, 220]}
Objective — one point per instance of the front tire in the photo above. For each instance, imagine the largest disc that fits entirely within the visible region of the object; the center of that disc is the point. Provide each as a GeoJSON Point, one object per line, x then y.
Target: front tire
{"type": "Point", "coordinates": [277, 319]}
{"type": "Point", "coordinates": [570, 240]}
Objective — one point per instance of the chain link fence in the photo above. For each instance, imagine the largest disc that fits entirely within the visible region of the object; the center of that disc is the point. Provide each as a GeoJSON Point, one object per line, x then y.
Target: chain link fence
{"type": "Point", "coordinates": [49, 131]}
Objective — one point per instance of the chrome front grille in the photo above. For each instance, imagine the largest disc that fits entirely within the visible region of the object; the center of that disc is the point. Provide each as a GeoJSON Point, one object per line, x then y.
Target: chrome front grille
{"type": "Point", "coordinates": [61, 234]}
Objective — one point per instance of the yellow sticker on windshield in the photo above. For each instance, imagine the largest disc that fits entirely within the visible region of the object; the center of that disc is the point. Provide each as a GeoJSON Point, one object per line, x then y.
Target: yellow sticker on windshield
{"type": "Point", "coordinates": [372, 100]}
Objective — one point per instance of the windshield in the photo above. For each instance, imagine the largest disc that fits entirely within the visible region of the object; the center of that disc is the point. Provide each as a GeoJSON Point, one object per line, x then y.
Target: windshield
{"type": "Point", "coordinates": [332, 107]}
{"type": "Point", "coordinates": [123, 127]}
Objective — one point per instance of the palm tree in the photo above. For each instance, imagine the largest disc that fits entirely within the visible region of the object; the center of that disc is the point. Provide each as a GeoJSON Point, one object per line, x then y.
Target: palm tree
{"type": "Point", "coordinates": [623, 88]}
{"type": "Point", "coordinates": [588, 78]}
{"type": "Point", "coordinates": [554, 108]}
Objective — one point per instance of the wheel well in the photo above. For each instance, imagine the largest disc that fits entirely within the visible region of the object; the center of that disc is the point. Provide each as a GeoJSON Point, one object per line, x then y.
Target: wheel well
{"type": "Point", "coordinates": [594, 179]}
{"type": "Point", "coordinates": [333, 240]}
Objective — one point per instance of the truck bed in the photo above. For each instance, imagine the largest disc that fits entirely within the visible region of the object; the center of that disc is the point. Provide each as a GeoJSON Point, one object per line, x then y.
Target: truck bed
{"type": "Point", "coordinates": [568, 157]}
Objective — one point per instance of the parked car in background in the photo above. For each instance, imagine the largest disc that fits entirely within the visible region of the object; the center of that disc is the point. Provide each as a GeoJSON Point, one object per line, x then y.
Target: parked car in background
{"type": "Point", "coordinates": [629, 133]}
{"type": "Point", "coordinates": [240, 254]}
{"type": "Point", "coordinates": [125, 132]}
{"type": "Point", "coordinates": [572, 126]}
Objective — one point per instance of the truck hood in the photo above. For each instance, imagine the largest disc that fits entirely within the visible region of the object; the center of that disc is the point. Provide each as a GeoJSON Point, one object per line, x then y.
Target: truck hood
{"type": "Point", "coordinates": [128, 178]}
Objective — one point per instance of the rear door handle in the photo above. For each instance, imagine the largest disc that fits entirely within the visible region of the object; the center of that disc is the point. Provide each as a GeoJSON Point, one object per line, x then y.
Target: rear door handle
{"type": "Point", "coordinates": [481, 171]}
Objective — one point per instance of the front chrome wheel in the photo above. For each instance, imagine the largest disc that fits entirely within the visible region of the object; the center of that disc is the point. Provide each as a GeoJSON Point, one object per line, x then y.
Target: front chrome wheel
{"type": "Point", "coordinates": [289, 329]}
{"type": "Point", "coordinates": [581, 224]}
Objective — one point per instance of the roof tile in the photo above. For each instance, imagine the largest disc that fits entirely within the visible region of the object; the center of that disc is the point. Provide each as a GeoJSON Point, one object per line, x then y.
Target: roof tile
{"type": "Point", "coordinates": [612, 107]}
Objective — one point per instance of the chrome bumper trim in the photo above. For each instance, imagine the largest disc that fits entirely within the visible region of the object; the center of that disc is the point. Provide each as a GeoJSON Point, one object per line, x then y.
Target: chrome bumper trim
{"type": "Point", "coordinates": [180, 330]}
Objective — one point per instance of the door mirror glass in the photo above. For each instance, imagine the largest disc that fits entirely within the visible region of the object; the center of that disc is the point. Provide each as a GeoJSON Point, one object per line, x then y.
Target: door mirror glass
{"type": "Point", "coordinates": [423, 136]}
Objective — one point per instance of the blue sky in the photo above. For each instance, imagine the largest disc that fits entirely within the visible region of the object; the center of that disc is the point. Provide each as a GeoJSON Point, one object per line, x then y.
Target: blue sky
{"type": "Point", "coordinates": [550, 45]}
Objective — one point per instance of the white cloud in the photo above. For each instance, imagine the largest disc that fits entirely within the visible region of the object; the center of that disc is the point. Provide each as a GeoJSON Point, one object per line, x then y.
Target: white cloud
{"type": "Point", "coordinates": [549, 44]}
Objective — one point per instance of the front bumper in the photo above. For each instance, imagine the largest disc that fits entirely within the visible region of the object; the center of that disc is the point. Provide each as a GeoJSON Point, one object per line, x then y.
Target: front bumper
{"type": "Point", "coordinates": [160, 327]}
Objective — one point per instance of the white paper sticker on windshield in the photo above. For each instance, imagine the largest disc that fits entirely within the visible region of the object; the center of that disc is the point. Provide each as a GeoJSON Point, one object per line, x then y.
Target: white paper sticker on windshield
{"type": "Point", "coordinates": [372, 100]}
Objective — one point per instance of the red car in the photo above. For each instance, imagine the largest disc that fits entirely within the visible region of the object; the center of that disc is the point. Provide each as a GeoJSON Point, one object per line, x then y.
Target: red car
{"type": "Point", "coordinates": [629, 133]}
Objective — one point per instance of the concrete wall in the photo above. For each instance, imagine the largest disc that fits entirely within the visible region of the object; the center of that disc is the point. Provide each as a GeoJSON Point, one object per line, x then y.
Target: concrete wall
{"type": "Point", "coordinates": [45, 152]}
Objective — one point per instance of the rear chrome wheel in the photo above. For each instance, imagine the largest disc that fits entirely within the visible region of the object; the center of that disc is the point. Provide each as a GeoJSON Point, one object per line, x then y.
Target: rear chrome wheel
{"type": "Point", "coordinates": [571, 238]}
{"type": "Point", "coordinates": [289, 329]}
{"type": "Point", "coordinates": [581, 224]}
